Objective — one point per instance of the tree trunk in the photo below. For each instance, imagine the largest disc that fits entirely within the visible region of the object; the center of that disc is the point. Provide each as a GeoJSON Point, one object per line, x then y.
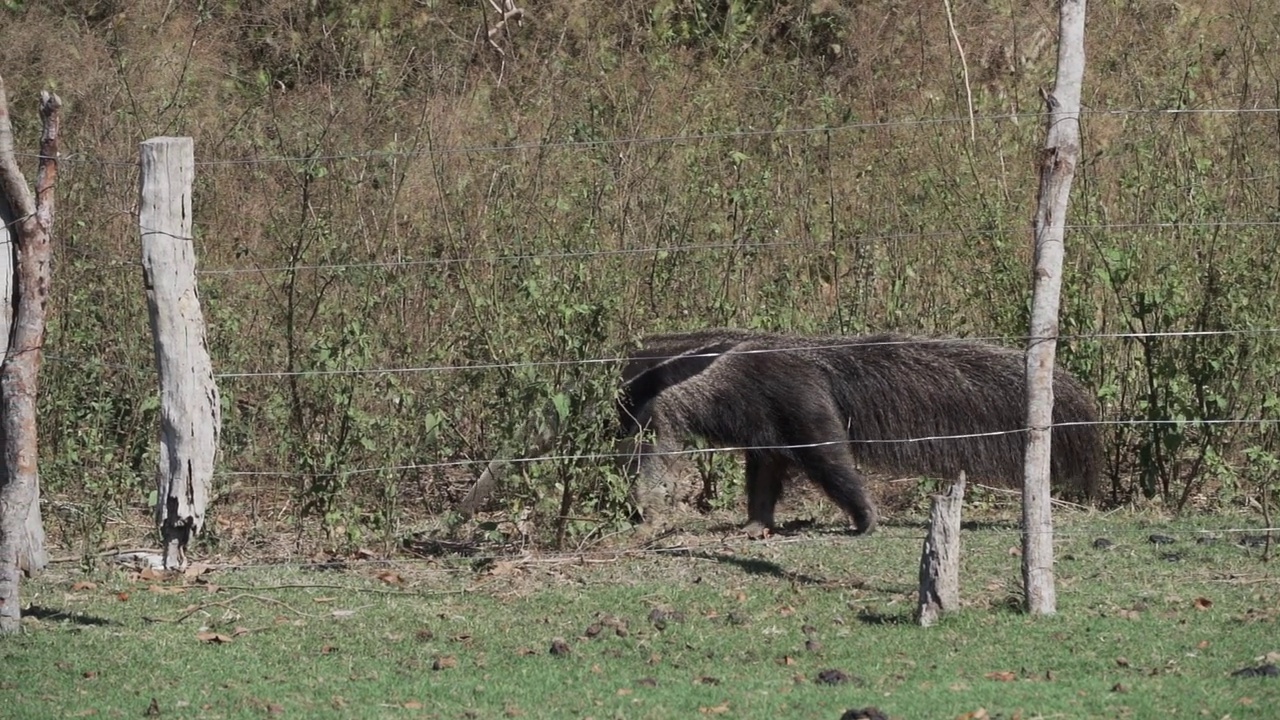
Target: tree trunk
{"type": "Point", "coordinates": [190, 412]}
{"type": "Point", "coordinates": [1057, 169]}
{"type": "Point", "coordinates": [21, 532]}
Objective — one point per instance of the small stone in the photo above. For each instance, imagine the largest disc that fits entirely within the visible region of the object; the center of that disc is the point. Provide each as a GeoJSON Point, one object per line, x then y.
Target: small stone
{"type": "Point", "coordinates": [1103, 544]}
{"type": "Point", "coordinates": [1158, 539]}
{"type": "Point", "coordinates": [559, 647]}
{"type": "Point", "coordinates": [1268, 670]}
{"type": "Point", "coordinates": [833, 676]}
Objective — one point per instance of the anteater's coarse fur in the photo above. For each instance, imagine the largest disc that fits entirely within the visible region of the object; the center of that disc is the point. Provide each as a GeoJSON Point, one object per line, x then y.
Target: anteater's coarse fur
{"type": "Point", "coordinates": [827, 405]}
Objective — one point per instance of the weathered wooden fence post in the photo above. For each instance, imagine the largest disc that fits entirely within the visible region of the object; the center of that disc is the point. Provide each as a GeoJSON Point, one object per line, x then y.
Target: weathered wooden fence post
{"type": "Point", "coordinates": [940, 558]}
{"type": "Point", "coordinates": [1057, 170]}
{"type": "Point", "coordinates": [28, 224]}
{"type": "Point", "coordinates": [190, 413]}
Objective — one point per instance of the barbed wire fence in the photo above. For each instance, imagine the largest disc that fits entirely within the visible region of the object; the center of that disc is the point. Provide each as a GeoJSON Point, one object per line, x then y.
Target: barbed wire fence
{"type": "Point", "coordinates": [95, 262]}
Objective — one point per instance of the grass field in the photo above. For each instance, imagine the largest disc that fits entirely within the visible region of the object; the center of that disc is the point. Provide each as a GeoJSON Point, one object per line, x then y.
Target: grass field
{"type": "Point", "coordinates": [702, 624]}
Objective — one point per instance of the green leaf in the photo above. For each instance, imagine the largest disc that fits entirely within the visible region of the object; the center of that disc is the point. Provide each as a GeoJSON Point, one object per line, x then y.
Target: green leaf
{"type": "Point", "coordinates": [561, 401]}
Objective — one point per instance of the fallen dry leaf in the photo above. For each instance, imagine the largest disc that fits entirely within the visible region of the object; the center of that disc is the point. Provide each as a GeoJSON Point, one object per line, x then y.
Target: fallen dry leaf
{"type": "Point", "coordinates": [1002, 676]}
{"type": "Point", "coordinates": [503, 568]}
{"type": "Point", "coordinates": [720, 709]}
{"type": "Point", "coordinates": [84, 585]}
{"type": "Point", "coordinates": [122, 597]}
{"type": "Point", "coordinates": [152, 574]}
{"type": "Point", "coordinates": [979, 714]}
{"type": "Point", "coordinates": [1202, 603]}
{"type": "Point", "coordinates": [444, 662]}
{"type": "Point", "coordinates": [390, 578]}
{"type": "Point", "coordinates": [195, 570]}
{"type": "Point", "coordinates": [213, 637]}
{"type": "Point", "coordinates": [324, 599]}
{"type": "Point", "coordinates": [1122, 661]}
{"type": "Point", "coordinates": [413, 705]}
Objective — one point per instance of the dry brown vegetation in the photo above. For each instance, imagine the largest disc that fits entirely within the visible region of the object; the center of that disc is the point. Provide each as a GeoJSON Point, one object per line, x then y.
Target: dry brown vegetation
{"type": "Point", "coordinates": [380, 188]}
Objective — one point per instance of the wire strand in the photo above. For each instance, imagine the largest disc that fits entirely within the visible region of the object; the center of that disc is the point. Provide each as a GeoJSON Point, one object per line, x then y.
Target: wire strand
{"type": "Point", "coordinates": [674, 139]}
{"type": "Point", "coordinates": [578, 457]}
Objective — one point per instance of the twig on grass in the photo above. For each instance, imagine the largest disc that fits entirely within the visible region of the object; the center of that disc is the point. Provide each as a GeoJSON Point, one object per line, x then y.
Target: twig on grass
{"type": "Point", "coordinates": [192, 610]}
{"type": "Point", "coordinates": [1055, 501]}
{"type": "Point", "coordinates": [348, 588]}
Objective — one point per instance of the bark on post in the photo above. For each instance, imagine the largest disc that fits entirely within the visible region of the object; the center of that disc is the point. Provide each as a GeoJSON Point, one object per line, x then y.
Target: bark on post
{"type": "Point", "coordinates": [1057, 169]}
{"type": "Point", "coordinates": [29, 222]}
{"type": "Point", "coordinates": [940, 559]}
{"type": "Point", "coordinates": [190, 413]}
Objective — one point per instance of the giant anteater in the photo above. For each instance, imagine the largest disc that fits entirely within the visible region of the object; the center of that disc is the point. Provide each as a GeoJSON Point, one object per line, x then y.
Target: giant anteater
{"type": "Point", "coordinates": [825, 404]}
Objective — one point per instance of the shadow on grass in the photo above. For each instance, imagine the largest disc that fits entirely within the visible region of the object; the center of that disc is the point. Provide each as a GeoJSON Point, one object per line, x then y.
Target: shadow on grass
{"type": "Point", "coordinates": [429, 547]}
{"type": "Point", "coordinates": [868, 617]}
{"type": "Point", "coordinates": [767, 568]}
{"type": "Point", "coordinates": [52, 614]}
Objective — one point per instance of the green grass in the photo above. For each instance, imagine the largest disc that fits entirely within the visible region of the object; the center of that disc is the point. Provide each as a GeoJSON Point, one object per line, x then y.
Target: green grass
{"type": "Point", "coordinates": [1139, 633]}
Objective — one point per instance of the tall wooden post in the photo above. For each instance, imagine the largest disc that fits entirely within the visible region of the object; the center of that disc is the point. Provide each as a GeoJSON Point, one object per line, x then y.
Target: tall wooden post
{"type": "Point", "coordinates": [1057, 170]}
{"type": "Point", "coordinates": [28, 223]}
{"type": "Point", "coordinates": [190, 413]}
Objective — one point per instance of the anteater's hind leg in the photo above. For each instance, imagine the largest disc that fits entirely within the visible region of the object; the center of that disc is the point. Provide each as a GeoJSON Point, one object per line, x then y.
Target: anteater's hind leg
{"type": "Point", "coordinates": [765, 473]}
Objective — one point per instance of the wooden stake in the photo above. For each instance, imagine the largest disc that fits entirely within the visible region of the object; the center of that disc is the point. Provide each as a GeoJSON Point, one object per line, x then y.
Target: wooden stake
{"type": "Point", "coordinates": [940, 559]}
{"type": "Point", "coordinates": [190, 413]}
{"type": "Point", "coordinates": [1057, 169]}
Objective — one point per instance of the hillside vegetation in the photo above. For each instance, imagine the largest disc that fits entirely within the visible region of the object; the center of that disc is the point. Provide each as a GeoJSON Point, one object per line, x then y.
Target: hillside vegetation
{"type": "Point", "coordinates": [381, 188]}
